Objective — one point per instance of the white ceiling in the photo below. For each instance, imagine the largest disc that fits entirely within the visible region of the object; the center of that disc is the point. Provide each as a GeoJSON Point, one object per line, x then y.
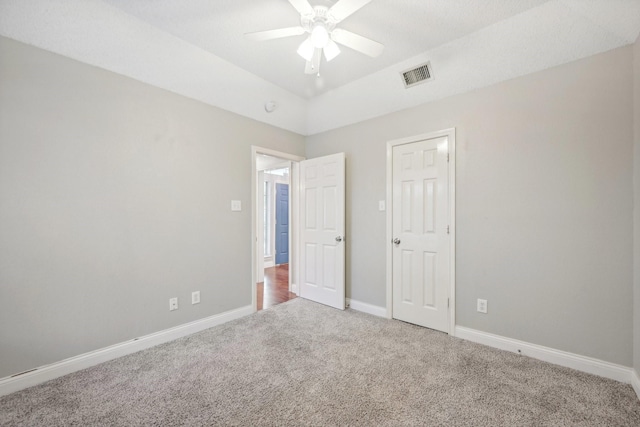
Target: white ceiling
{"type": "Point", "coordinates": [196, 48]}
{"type": "Point", "coordinates": [405, 27]}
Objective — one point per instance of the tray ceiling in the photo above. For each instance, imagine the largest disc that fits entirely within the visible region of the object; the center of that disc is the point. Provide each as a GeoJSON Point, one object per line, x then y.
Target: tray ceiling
{"type": "Point", "coordinates": [197, 48]}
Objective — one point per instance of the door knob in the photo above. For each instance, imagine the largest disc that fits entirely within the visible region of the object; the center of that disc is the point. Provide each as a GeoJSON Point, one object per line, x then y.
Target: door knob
{"type": "Point", "coordinates": [396, 241]}
{"type": "Point", "coordinates": [338, 239]}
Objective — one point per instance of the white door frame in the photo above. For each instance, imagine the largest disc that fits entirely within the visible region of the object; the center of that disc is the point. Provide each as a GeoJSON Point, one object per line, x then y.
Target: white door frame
{"type": "Point", "coordinates": [451, 137]}
{"type": "Point", "coordinates": [293, 216]}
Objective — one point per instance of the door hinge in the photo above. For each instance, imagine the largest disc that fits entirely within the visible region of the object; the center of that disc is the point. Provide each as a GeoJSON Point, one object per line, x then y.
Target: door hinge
{"type": "Point", "coordinates": [447, 229]}
{"type": "Point", "coordinates": [447, 302]}
{"type": "Point", "coordinates": [447, 157]}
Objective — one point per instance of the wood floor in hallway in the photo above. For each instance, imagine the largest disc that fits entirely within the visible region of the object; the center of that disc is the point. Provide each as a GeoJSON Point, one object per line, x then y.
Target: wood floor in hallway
{"type": "Point", "coordinates": [275, 288]}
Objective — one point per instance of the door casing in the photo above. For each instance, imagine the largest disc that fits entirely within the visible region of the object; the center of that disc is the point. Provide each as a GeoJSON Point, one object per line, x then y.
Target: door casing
{"type": "Point", "coordinates": [451, 137]}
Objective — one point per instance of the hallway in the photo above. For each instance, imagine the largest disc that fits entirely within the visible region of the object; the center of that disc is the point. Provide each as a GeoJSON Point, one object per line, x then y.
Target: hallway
{"type": "Point", "coordinates": [275, 288]}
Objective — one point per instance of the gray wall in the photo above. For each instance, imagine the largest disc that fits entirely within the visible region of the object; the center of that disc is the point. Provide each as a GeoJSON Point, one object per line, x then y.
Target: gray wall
{"type": "Point", "coordinates": [544, 204]}
{"type": "Point", "coordinates": [636, 183]}
{"type": "Point", "coordinates": [114, 197]}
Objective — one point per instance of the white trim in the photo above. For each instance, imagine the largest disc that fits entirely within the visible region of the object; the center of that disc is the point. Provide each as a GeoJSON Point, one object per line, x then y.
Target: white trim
{"type": "Point", "coordinates": [366, 308]}
{"type": "Point", "coordinates": [291, 224]}
{"type": "Point", "coordinates": [260, 258]}
{"type": "Point", "coordinates": [255, 151]}
{"type": "Point", "coordinates": [452, 231]}
{"type": "Point", "coordinates": [294, 193]}
{"type": "Point", "coordinates": [635, 382]}
{"type": "Point", "coordinates": [389, 205]}
{"type": "Point", "coordinates": [86, 360]}
{"type": "Point", "coordinates": [451, 138]}
{"type": "Point", "coordinates": [557, 357]}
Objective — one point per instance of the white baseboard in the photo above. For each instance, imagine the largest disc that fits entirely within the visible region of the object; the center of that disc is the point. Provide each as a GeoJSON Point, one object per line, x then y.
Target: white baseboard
{"type": "Point", "coordinates": [635, 382]}
{"type": "Point", "coordinates": [294, 288]}
{"type": "Point", "coordinates": [86, 360]}
{"type": "Point", "coordinates": [367, 308]}
{"type": "Point", "coordinates": [557, 357]}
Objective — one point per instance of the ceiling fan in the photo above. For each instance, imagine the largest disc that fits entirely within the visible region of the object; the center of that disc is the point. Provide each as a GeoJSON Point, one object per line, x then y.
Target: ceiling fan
{"type": "Point", "coordinates": [320, 23]}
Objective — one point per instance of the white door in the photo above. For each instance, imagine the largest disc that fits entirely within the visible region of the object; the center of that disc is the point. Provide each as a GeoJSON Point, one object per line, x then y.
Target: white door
{"type": "Point", "coordinates": [322, 227]}
{"type": "Point", "coordinates": [420, 272]}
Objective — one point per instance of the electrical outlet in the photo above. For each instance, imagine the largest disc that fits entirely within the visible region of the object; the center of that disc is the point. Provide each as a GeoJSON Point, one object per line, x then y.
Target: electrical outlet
{"type": "Point", "coordinates": [382, 205]}
{"type": "Point", "coordinates": [482, 305]}
{"type": "Point", "coordinates": [195, 297]}
{"type": "Point", "coordinates": [173, 304]}
{"type": "Point", "coordinates": [236, 205]}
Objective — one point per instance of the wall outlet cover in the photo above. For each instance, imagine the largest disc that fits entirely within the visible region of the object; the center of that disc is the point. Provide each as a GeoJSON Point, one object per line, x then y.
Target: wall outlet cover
{"type": "Point", "coordinates": [195, 297]}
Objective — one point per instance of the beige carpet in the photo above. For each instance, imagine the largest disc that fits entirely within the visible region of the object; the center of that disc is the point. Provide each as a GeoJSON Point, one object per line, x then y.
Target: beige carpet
{"type": "Point", "coordinates": [301, 363]}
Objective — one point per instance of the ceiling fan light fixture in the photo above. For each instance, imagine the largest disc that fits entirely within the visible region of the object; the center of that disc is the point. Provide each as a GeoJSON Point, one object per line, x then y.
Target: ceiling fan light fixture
{"type": "Point", "coordinates": [319, 23]}
{"type": "Point", "coordinates": [331, 50]}
{"type": "Point", "coordinates": [306, 49]}
{"type": "Point", "coordinates": [319, 36]}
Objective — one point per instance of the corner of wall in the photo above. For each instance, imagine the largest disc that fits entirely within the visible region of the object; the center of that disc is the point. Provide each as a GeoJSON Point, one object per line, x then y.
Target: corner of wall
{"type": "Point", "coordinates": [636, 214]}
{"type": "Point", "coordinates": [635, 382]}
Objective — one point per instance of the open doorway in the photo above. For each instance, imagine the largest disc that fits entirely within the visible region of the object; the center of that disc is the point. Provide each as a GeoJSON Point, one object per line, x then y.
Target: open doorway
{"type": "Point", "coordinates": [316, 250]}
{"type": "Point", "coordinates": [275, 182]}
{"type": "Point", "coordinates": [274, 219]}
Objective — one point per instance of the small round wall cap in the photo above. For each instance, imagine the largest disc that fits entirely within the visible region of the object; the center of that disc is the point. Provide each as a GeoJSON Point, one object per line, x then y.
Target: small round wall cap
{"type": "Point", "coordinates": [270, 106]}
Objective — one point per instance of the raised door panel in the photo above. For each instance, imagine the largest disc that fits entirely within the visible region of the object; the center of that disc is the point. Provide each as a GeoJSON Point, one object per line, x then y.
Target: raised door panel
{"type": "Point", "coordinates": [322, 234]}
{"type": "Point", "coordinates": [419, 215]}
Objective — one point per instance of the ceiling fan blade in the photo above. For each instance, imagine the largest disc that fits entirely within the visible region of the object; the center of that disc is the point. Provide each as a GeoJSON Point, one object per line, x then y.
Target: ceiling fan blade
{"type": "Point", "coordinates": [357, 42]}
{"type": "Point", "coordinates": [344, 8]}
{"type": "Point", "coordinates": [313, 66]}
{"type": "Point", "coordinates": [274, 34]}
{"type": "Point", "coordinates": [302, 6]}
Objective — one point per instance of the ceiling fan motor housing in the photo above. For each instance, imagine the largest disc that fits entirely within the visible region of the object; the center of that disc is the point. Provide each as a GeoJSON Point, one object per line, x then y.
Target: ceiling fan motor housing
{"type": "Point", "coordinates": [320, 16]}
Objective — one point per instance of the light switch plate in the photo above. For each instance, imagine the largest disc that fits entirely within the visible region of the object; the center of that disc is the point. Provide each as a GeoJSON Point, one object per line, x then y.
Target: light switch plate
{"type": "Point", "coordinates": [236, 205]}
{"type": "Point", "coordinates": [482, 305]}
